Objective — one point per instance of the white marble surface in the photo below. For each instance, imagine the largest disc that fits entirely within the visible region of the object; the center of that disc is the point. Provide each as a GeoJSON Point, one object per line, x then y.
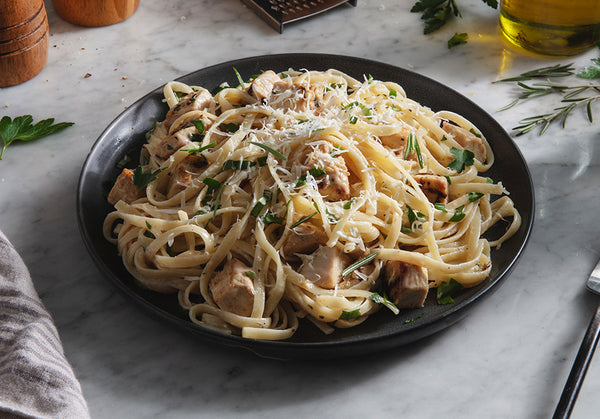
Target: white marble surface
{"type": "Point", "coordinates": [508, 359]}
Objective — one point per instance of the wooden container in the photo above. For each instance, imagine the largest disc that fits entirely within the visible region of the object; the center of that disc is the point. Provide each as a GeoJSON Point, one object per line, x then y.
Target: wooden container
{"type": "Point", "coordinates": [95, 12]}
{"type": "Point", "coordinates": [23, 40]}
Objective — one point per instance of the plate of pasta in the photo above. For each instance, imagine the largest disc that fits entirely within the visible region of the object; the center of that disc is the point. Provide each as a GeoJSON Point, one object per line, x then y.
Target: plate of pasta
{"type": "Point", "coordinates": [304, 205]}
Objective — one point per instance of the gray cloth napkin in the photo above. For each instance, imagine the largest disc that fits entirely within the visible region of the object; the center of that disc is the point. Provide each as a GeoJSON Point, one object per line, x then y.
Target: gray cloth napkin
{"type": "Point", "coordinates": [36, 380]}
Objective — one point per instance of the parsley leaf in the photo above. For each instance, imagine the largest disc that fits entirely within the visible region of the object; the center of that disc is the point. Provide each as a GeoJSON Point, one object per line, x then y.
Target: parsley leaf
{"type": "Point", "coordinates": [457, 39]}
{"type": "Point", "coordinates": [142, 178]}
{"type": "Point", "coordinates": [383, 299]}
{"type": "Point", "coordinates": [447, 290]}
{"type": "Point", "coordinates": [350, 315]}
{"type": "Point", "coordinates": [462, 159]}
{"type": "Point", "coordinates": [436, 13]}
{"type": "Point", "coordinates": [22, 129]}
{"type": "Point", "coordinates": [458, 215]}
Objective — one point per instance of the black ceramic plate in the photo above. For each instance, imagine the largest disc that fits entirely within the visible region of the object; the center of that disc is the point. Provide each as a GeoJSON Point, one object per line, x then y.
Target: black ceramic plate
{"type": "Point", "coordinates": [125, 135]}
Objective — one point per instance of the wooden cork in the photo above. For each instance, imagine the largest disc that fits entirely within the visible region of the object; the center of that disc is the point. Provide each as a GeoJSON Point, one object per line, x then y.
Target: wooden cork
{"type": "Point", "coordinates": [95, 12]}
{"type": "Point", "coordinates": [23, 40]}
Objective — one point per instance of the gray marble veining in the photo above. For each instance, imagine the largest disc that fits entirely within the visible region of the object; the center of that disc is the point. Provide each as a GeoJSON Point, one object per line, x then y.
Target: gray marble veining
{"type": "Point", "coordinates": [508, 358]}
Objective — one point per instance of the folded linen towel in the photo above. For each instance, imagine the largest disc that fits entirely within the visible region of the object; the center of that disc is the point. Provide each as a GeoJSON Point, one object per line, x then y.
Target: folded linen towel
{"type": "Point", "coordinates": [36, 380]}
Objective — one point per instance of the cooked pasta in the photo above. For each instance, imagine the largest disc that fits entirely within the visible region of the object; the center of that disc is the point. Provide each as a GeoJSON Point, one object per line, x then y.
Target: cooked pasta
{"type": "Point", "coordinates": [305, 194]}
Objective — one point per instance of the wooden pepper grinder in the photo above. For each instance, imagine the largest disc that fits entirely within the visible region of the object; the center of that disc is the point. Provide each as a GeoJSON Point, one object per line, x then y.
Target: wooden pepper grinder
{"type": "Point", "coordinates": [95, 12]}
{"type": "Point", "coordinates": [23, 40]}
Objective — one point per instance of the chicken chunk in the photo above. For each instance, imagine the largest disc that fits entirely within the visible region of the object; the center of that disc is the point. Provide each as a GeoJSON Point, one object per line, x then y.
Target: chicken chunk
{"type": "Point", "coordinates": [407, 284]}
{"type": "Point", "coordinates": [397, 142]}
{"type": "Point", "coordinates": [312, 97]}
{"type": "Point", "coordinates": [304, 239]}
{"type": "Point", "coordinates": [324, 267]}
{"type": "Point", "coordinates": [467, 140]}
{"type": "Point", "coordinates": [335, 185]}
{"type": "Point", "coordinates": [262, 86]}
{"type": "Point", "coordinates": [195, 101]}
{"type": "Point", "coordinates": [182, 175]}
{"type": "Point", "coordinates": [297, 97]}
{"type": "Point", "coordinates": [434, 187]}
{"type": "Point", "coordinates": [124, 189]}
{"type": "Point", "coordinates": [169, 145]}
{"type": "Point", "coordinates": [232, 289]}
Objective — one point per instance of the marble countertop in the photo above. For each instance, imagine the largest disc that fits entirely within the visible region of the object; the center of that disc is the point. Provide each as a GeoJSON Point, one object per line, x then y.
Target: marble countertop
{"type": "Point", "coordinates": [509, 357]}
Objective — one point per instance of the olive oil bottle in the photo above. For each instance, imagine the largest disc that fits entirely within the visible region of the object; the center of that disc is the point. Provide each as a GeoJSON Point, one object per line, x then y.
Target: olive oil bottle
{"type": "Point", "coordinates": [551, 27]}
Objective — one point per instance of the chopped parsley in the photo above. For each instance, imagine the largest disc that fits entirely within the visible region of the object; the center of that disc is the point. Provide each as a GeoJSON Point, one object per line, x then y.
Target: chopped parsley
{"type": "Point", "coordinates": [462, 159]}
{"type": "Point", "coordinates": [350, 315]}
{"type": "Point", "coordinates": [440, 207]}
{"type": "Point", "coordinates": [141, 178]}
{"type": "Point", "coordinates": [447, 290]}
{"type": "Point", "coordinates": [231, 127]}
{"type": "Point", "coordinates": [458, 39]}
{"type": "Point", "coordinates": [458, 215]}
{"type": "Point", "coordinates": [474, 196]}
{"type": "Point", "coordinates": [262, 201]}
{"type": "Point", "coordinates": [314, 172]}
{"type": "Point", "coordinates": [383, 299]}
{"type": "Point", "coordinates": [237, 165]}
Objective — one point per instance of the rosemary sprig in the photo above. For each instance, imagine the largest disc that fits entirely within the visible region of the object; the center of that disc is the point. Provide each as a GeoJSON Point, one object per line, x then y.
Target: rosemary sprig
{"type": "Point", "coordinates": [542, 73]}
{"type": "Point", "coordinates": [572, 94]}
{"type": "Point", "coordinates": [527, 124]}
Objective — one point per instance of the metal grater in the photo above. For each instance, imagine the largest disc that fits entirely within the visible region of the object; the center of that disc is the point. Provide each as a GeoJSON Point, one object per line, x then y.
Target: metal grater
{"type": "Point", "coordinates": [279, 12]}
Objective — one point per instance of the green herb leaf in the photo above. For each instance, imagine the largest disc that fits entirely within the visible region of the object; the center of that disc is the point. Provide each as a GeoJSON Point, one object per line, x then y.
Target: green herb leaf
{"type": "Point", "coordinates": [314, 172]}
{"type": "Point", "coordinates": [303, 220]}
{"type": "Point", "coordinates": [239, 78]}
{"type": "Point", "coordinates": [589, 72]}
{"type": "Point", "coordinates": [462, 159]}
{"type": "Point", "coordinates": [474, 196]}
{"type": "Point", "coordinates": [447, 290]}
{"type": "Point", "coordinates": [199, 125]}
{"type": "Point", "coordinates": [458, 215]}
{"type": "Point", "coordinates": [414, 318]}
{"type": "Point", "coordinates": [237, 165]}
{"type": "Point", "coordinates": [383, 299]}
{"type": "Point", "coordinates": [262, 201]}
{"type": "Point", "coordinates": [141, 178]}
{"type": "Point", "coordinates": [231, 127]}
{"type": "Point", "coordinates": [270, 150]}
{"type": "Point", "coordinates": [458, 39]}
{"type": "Point", "coordinates": [359, 263]}
{"type": "Point", "coordinates": [557, 70]}
{"type": "Point", "coordinates": [193, 151]}
{"type": "Point", "coordinates": [350, 315]}
{"type": "Point", "coordinates": [22, 129]}
{"type": "Point", "coordinates": [213, 184]}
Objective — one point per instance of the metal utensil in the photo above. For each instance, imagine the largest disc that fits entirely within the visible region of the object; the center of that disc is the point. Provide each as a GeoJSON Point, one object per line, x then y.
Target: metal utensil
{"type": "Point", "coordinates": [584, 355]}
{"type": "Point", "coordinates": [279, 12]}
